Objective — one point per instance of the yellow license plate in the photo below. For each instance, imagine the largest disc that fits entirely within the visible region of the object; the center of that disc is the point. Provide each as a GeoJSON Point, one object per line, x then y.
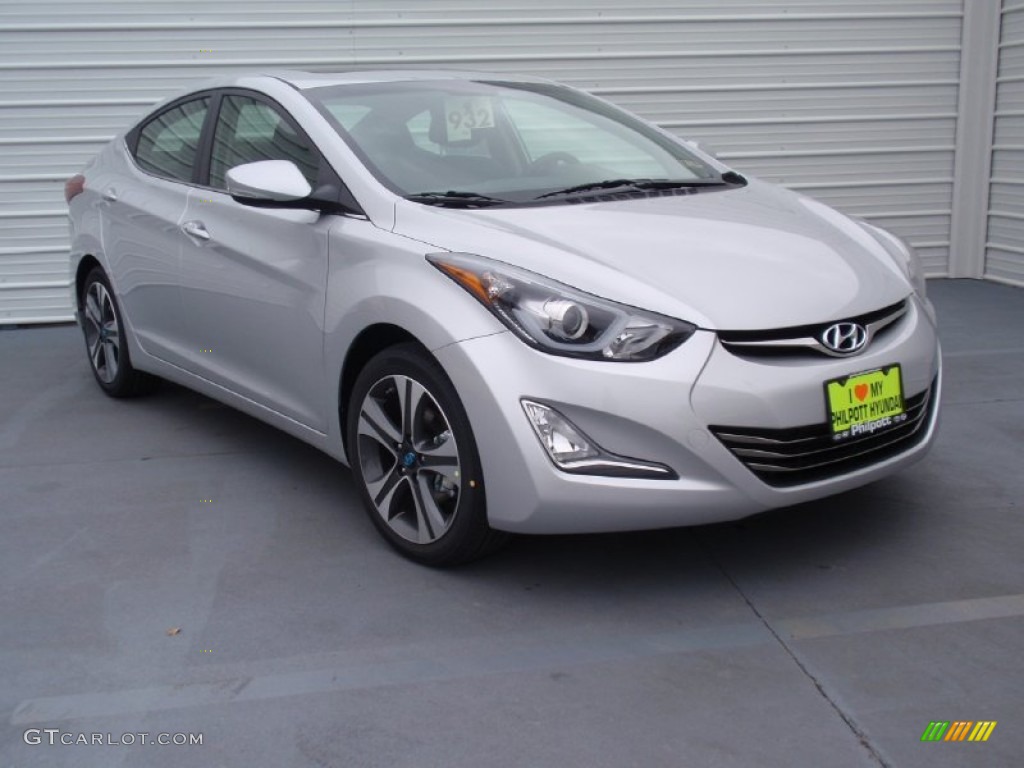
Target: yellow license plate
{"type": "Point", "coordinates": [864, 403]}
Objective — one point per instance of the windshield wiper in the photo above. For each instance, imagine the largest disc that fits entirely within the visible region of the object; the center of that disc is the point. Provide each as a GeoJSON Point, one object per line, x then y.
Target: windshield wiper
{"type": "Point", "coordinates": [454, 198]}
{"type": "Point", "coordinates": [641, 184]}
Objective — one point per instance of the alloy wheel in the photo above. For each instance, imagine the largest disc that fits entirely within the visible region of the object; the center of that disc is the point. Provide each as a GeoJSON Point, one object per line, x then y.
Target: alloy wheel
{"type": "Point", "coordinates": [102, 332]}
{"type": "Point", "coordinates": [409, 459]}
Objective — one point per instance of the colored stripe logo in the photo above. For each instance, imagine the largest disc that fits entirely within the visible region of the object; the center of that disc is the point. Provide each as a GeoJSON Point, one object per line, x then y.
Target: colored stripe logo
{"type": "Point", "coordinates": [958, 730]}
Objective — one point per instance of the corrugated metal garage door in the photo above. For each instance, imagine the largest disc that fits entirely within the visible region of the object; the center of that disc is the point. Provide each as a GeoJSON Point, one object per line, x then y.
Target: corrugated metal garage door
{"type": "Point", "coordinates": [852, 101]}
{"type": "Point", "coordinates": [1004, 252]}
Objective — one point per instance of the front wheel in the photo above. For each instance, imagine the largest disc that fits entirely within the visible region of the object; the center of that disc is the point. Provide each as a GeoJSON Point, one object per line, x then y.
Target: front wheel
{"type": "Point", "coordinates": [415, 460]}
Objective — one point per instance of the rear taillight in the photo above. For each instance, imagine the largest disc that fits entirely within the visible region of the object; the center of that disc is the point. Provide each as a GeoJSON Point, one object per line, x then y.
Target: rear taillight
{"type": "Point", "coordinates": [74, 186]}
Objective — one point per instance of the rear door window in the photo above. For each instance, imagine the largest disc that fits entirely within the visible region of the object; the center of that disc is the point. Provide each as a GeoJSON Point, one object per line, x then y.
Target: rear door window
{"type": "Point", "coordinates": [168, 144]}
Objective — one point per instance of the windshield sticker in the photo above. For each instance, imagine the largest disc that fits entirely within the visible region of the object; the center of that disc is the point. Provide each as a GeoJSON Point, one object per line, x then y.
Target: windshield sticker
{"type": "Point", "coordinates": [464, 114]}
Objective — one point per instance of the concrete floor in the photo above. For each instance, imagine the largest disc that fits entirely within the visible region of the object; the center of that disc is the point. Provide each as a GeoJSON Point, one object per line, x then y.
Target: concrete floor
{"type": "Point", "coordinates": [825, 635]}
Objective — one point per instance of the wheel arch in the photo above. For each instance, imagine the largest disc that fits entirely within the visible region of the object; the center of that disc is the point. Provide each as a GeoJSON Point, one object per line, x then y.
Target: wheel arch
{"type": "Point", "coordinates": [369, 342]}
{"type": "Point", "coordinates": [85, 265]}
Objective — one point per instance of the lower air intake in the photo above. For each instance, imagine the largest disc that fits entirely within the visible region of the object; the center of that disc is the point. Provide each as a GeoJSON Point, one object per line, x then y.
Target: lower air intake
{"type": "Point", "coordinates": [798, 455]}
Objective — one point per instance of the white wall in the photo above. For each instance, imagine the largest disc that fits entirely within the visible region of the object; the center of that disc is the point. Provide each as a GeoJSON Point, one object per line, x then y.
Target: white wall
{"type": "Point", "coordinates": [1004, 252]}
{"type": "Point", "coordinates": [852, 101]}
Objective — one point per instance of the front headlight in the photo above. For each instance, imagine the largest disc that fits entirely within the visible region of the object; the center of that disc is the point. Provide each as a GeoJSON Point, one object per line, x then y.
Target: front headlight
{"type": "Point", "coordinates": [915, 270]}
{"type": "Point", "coordinates": [904, 255]}
{"type": "Point", "coordinates": [559, 319]}
{"type": "Point", "coordinates": [911, 263]}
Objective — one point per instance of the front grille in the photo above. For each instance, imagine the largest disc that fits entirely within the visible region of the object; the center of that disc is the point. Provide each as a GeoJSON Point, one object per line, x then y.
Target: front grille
{"type": "Point", "coordinates": [786, 457]}
{"type": "Point", "coordinates": [803, 340]}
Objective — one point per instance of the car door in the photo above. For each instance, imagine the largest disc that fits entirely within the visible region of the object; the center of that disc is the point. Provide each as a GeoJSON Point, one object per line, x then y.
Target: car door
{"type": "Point", "coordinates": [143, 203]}
{"type": "Point", "coordinates": [253, 280]}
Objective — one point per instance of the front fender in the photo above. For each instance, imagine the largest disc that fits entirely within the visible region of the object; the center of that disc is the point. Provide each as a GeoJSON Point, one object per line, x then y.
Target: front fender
{"type": "Point", "coordinates": [377, 277]}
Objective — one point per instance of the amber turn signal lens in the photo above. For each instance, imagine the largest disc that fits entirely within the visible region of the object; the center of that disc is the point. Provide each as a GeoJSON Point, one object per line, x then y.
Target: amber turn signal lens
{"type": "Point", "coordinates": [467, 279]}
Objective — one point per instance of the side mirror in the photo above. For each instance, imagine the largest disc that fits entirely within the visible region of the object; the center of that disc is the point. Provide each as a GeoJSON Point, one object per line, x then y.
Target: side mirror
{"type": "Point", "coordinates": [268, 183]}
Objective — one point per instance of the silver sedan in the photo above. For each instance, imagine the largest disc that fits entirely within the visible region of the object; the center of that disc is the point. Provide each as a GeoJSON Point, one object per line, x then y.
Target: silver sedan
{"type": "Point", "coordinates": [508, 305]}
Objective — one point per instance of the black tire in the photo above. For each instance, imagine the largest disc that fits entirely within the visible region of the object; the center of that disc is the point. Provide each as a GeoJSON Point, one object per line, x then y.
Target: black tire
{"type": "Point", "coordinates": [428, 506]}
{"type": "Point", "coordinates": [105, 342]}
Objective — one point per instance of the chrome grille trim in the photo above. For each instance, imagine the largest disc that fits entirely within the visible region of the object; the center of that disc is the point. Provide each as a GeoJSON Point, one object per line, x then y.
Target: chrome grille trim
{"type": "Point", "coordinates": [804, 338]}
{"type": "Point", "coordinates": [913, 415]}
{"type": "Point", "coordinates": [797, 455]}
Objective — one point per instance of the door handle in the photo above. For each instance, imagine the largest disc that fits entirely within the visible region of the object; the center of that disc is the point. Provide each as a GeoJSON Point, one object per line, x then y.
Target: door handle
{"type": "Point", "coordinates": [110, 195]}
{"type": "Point", "coordinates": [195, 229]}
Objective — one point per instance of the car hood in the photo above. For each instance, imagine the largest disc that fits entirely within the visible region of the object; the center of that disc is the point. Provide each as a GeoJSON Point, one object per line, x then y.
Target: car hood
{"type": "Point", "coordinates": [735, 259]}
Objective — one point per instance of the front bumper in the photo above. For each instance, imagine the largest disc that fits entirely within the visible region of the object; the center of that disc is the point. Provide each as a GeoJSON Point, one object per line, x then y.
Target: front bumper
{"type": "Point", "coordinates": [660, 411]}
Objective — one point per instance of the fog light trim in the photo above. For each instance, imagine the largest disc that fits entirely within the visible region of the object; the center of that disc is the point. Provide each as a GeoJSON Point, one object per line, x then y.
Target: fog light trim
{"type": "Point", "coordinates": [594, 460]}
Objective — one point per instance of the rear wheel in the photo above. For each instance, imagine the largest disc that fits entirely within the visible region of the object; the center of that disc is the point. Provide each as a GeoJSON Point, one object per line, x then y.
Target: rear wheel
{"type": "Point", "coordinates": [415, 460]}
{"type": "Point", "coordinates": [105, 342]}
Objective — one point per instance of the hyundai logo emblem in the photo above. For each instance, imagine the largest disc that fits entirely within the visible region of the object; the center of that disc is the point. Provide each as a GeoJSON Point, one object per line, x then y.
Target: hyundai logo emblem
{"type": "Point", "coordinates": [844, 338]}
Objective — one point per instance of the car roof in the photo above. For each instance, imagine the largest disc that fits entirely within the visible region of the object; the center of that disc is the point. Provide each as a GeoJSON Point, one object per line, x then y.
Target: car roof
{"type": "Point", "coordinates": [303, 80]}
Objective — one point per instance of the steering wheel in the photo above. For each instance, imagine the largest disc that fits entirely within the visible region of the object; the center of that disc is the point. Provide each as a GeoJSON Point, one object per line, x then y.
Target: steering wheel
{"type": "Point", "coordinates": [552, 161]}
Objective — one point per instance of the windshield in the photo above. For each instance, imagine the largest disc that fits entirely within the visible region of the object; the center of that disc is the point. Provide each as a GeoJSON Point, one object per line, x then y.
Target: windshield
{"type": "Point", "coordinates": [496, 142]}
